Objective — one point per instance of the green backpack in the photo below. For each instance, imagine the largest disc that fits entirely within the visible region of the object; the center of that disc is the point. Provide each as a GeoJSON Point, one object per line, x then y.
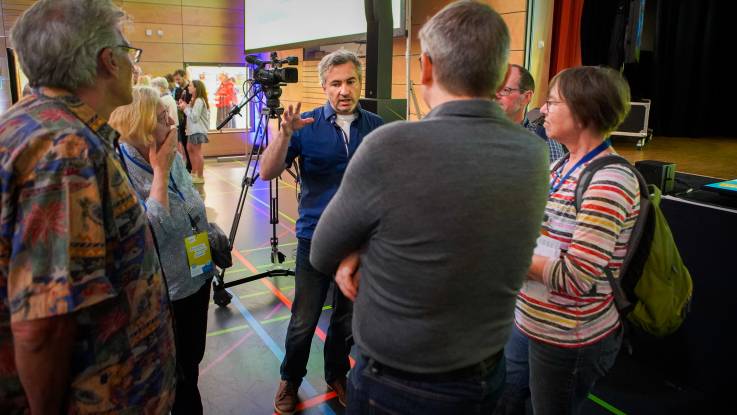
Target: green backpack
{"type": "Point", "coordinates": [654, 287]}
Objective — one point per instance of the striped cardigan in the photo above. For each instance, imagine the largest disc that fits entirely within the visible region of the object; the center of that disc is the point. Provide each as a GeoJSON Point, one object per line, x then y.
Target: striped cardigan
{"type": "Point", "coordinates": [574, 306]}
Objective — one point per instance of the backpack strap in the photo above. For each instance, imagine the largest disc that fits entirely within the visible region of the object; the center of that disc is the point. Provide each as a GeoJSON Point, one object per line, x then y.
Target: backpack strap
{"type": "Point", "coordinates": [624, 305]}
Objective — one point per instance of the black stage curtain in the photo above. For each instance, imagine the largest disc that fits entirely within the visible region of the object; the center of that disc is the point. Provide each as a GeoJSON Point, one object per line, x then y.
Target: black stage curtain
{"type": "Point", "coordinates": [693, 81]}
{"type": "Point", "coordinates": [687, 75]}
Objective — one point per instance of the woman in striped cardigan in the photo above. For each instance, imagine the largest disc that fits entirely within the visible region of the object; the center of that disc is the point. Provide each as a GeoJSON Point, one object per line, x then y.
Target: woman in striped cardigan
{"type": "Point", "coordinates": [565, 316]}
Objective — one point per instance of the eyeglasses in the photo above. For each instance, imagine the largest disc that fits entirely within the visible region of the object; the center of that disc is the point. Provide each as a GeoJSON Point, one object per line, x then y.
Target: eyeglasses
{"type": "Point", "coordinates": [506, 91]}
{"type": "Point", "coordinates": [551, 102]}
{"type": "Point", "coordinates": [419, 58]}
{"type": "Point", "coordinates": [133, 53]}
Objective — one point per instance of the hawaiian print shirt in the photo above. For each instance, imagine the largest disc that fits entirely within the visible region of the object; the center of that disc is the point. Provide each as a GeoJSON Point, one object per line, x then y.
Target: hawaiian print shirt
{"type": "Point", "coordinates": [74, 239]}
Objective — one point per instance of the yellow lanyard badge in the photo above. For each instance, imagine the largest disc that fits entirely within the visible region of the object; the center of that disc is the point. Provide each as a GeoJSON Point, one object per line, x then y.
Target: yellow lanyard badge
{"type": "Point", "coordinates": [198, 254]}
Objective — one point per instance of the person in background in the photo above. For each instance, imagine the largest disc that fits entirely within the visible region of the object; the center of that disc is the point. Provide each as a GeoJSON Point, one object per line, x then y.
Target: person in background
{"type": "Point", "coordinates": [324, 139]}
{"type": "Point", "coordinates": [439, 269]}
{"type": "Point", "coordinates": [167, 99]}
{"type": "Point", "coordinates": [181, 94]}
{"type": "Point", "coordinates": [137, 72]}
{"type": "Point", "coordinates": [198, 124]}
{"type": "Point", "coordinates": [85, 319]}
{"type": "Point", "coordinates": [225, 99]}
{"type": "Point", "coordinates": [172, 84]}
{"type": "Point", "coordinates": [514, 96]}
{"type": "Point", "coordinates": [144, 80]}
{"type": "Point", "coordinates": [174, 208]}
{"type": "Point", "coordinates": [568, 330]}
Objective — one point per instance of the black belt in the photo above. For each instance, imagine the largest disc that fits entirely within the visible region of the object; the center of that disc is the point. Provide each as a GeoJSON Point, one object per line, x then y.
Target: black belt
{"type": "Point", "coordinates": [481, 369]}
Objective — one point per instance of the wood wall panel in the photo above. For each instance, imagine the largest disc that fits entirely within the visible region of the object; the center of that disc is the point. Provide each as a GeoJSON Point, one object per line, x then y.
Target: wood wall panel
{"type": "Point", "coordinates": [507, 6]}
{"type": "Point", "coordinates": [212, 35]}
{"type": "Point", "coordinates": [202, 16]}
{"type": "Point", "coordinates": [160, 52]}
{"type": "Point", "coordinates": [136, 32]}
{"type": "Point", "coordinates": [225, 144]}
{"type": "Point", "coordinates": [170, 2]}
{"type": "Point", "coordinates": [516, 22]}
{"type": "Point", "coordinates": [153, 13]}
{"type": "Point", "coordinates": [517, 56]}
{"type": "Point", "coordinates": [217, 4]}
{"type": "Point", "coordinates": [194, 53]}
{"type": "Point", "coordinates": [155, 69]}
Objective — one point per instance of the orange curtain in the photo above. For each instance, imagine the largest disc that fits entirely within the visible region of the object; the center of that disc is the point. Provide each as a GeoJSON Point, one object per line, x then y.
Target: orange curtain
{"type": "Point", "coordinates": [566, 40]}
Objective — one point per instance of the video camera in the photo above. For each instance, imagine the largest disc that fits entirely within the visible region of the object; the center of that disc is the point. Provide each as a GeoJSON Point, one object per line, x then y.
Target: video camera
{"type": "Point", "coordinates": [272, 79]}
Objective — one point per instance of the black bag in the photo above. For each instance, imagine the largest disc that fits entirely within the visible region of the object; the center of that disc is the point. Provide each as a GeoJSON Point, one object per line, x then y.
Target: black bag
{"type": "Point", "coordinates": [219, 246]}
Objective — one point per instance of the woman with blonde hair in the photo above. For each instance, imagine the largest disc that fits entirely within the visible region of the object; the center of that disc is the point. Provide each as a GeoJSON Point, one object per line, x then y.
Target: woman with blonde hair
{"type": "Point", "coordinates": [175, 211]}
{"type": "Point", "coordinates": [198, 122]}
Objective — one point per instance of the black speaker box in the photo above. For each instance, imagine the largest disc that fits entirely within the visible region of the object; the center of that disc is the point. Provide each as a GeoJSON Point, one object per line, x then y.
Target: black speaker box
{"type": "Point", "coordinates": [659, 173]}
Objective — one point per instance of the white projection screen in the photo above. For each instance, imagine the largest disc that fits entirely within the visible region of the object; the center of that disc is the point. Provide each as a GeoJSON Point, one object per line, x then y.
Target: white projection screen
{"type": "Point", "coordinates": [284, 24]}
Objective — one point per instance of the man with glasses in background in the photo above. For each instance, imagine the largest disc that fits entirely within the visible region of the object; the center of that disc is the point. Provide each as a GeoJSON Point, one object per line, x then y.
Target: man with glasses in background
{"type": "Point", "coordinates": [85, 321]}
{"type": "Point", "coordinates": [519, 87]}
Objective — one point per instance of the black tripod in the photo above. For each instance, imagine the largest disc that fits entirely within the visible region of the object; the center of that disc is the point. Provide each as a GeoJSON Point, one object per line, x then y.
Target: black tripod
{"type": "Point", "coordinates": [220, 296]}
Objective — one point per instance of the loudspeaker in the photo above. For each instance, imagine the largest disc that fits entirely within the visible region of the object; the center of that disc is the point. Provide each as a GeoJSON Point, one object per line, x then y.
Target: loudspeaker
{"type": "Point", "coordinates": [659, 173]}
{"type": "Point", "coordinates": [388, 109]}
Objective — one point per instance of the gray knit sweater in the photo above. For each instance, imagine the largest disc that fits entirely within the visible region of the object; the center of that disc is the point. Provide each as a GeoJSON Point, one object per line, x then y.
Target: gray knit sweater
{"type": "Point", "coordinates": [446, 212]}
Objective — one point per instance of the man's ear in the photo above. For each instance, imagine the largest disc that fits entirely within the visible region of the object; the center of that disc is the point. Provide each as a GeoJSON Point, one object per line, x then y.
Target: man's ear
{"type": "Point", "coordinates": [107, 63]}
{"type": "Point", "coordinates": [426, 70]}
{"type": "Point", "coordinates": [527, 97]}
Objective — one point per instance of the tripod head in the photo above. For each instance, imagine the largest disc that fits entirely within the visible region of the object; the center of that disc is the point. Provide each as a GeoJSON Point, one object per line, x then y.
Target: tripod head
{"type": "Point", "coordinates": [272, 113]}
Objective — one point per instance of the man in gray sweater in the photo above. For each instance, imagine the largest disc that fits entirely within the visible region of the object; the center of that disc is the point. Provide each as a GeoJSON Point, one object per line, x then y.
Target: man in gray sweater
{"type": "Point", "coordinates": [445, 213]}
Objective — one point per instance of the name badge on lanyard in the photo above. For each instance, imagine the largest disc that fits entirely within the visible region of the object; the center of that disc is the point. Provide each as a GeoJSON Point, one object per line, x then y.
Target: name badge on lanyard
{"type": "Point", "coordinates": [198, 255]}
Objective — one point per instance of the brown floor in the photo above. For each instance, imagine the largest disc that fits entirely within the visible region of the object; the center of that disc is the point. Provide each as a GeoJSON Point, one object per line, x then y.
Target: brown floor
{"type": "Point", "coordinates": [715, 157]}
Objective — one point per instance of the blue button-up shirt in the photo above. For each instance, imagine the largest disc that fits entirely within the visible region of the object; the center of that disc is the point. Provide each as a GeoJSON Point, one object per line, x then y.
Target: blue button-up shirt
{"type": "Point", "coordinates": [323, 157]}
{"type": "Point", "coordinates": [556, 149]}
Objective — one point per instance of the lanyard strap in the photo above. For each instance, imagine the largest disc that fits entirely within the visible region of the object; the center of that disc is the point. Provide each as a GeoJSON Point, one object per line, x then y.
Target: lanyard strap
{"type": "Point", "coordinates": [554, 187]}
{"type": "Point", "coordinates": [172, 184]}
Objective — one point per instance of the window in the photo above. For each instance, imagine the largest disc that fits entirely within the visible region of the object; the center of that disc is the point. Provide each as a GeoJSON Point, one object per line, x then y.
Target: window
{"type": "Point", "coordinates": [224, 85]}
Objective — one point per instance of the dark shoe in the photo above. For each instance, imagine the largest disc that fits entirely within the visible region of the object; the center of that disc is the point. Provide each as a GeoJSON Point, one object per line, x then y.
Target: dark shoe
{"type": "Point", "coordinates": [286, 399]}
{"type": "Point", "coordinates": [339, 386]}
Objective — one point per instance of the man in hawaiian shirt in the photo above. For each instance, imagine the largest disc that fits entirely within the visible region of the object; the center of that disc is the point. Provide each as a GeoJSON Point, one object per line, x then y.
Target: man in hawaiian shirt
{"type": "Point", "coordinates": [85, 323]}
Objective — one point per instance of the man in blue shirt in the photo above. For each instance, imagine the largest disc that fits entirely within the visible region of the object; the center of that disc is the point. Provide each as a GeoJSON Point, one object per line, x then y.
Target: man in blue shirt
{"type": "Point", "coordinates": [324, 139]}
{"type": "Point", "coordinates": [514, 97]}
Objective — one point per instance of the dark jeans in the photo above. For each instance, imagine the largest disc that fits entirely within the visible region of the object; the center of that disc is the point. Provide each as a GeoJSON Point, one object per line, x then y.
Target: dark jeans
{"type": "Point", "coordinates": [373, 389]}
{"type": "Point", "coordinates": [190, 323]}
{"type": "Point", "coordinates": [311, 288]}
{"type": "Point", "coordinates": [561, 379]}
{"type": "Point", "coordinates": [182, 137]}
{"type": "Point", "coordinates": [513, 400]}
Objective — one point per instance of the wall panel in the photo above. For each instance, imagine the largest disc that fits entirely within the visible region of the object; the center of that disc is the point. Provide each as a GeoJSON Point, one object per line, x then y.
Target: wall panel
{"type": "Point", "coordinates": [160, 52]}
{"type": "Point", "coordinates": [153, 13]}
{"type": "Point", "coordinates": [218, 4]}
{"type": "Point", "coordinates": [203, 16]}
{"type": "Point", "coordinates": [170, 33]}
{"type": "Point", "coordinates": [194, 53]}
{"type": "Point", "coordinates": [213, 35]}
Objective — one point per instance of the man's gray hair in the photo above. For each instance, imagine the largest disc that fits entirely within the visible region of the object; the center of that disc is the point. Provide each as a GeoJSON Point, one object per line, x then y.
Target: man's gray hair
{"type": "Point", "coordinates": [58, 41]}
{"type": "Point", "coordinates": [160, 83]}
{"type": "Point", "coordinates": [336, 58]}
{"type": "Point", "coordinates": [468, 45]}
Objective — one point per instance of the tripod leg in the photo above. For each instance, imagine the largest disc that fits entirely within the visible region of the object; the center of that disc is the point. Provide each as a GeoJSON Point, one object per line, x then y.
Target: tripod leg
{"type": "Point", "coordinates": [220, 296]}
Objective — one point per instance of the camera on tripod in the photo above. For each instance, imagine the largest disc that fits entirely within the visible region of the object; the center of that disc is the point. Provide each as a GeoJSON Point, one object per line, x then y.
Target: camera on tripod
{"type": "Point", "coordinates": [270, 82]}
{"type": "Point", "coordinates": [272, 79]}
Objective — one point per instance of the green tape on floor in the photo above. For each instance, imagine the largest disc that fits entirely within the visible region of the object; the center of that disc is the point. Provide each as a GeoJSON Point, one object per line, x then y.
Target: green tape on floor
{"type": "Point", "coordinates": [605, 405]}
